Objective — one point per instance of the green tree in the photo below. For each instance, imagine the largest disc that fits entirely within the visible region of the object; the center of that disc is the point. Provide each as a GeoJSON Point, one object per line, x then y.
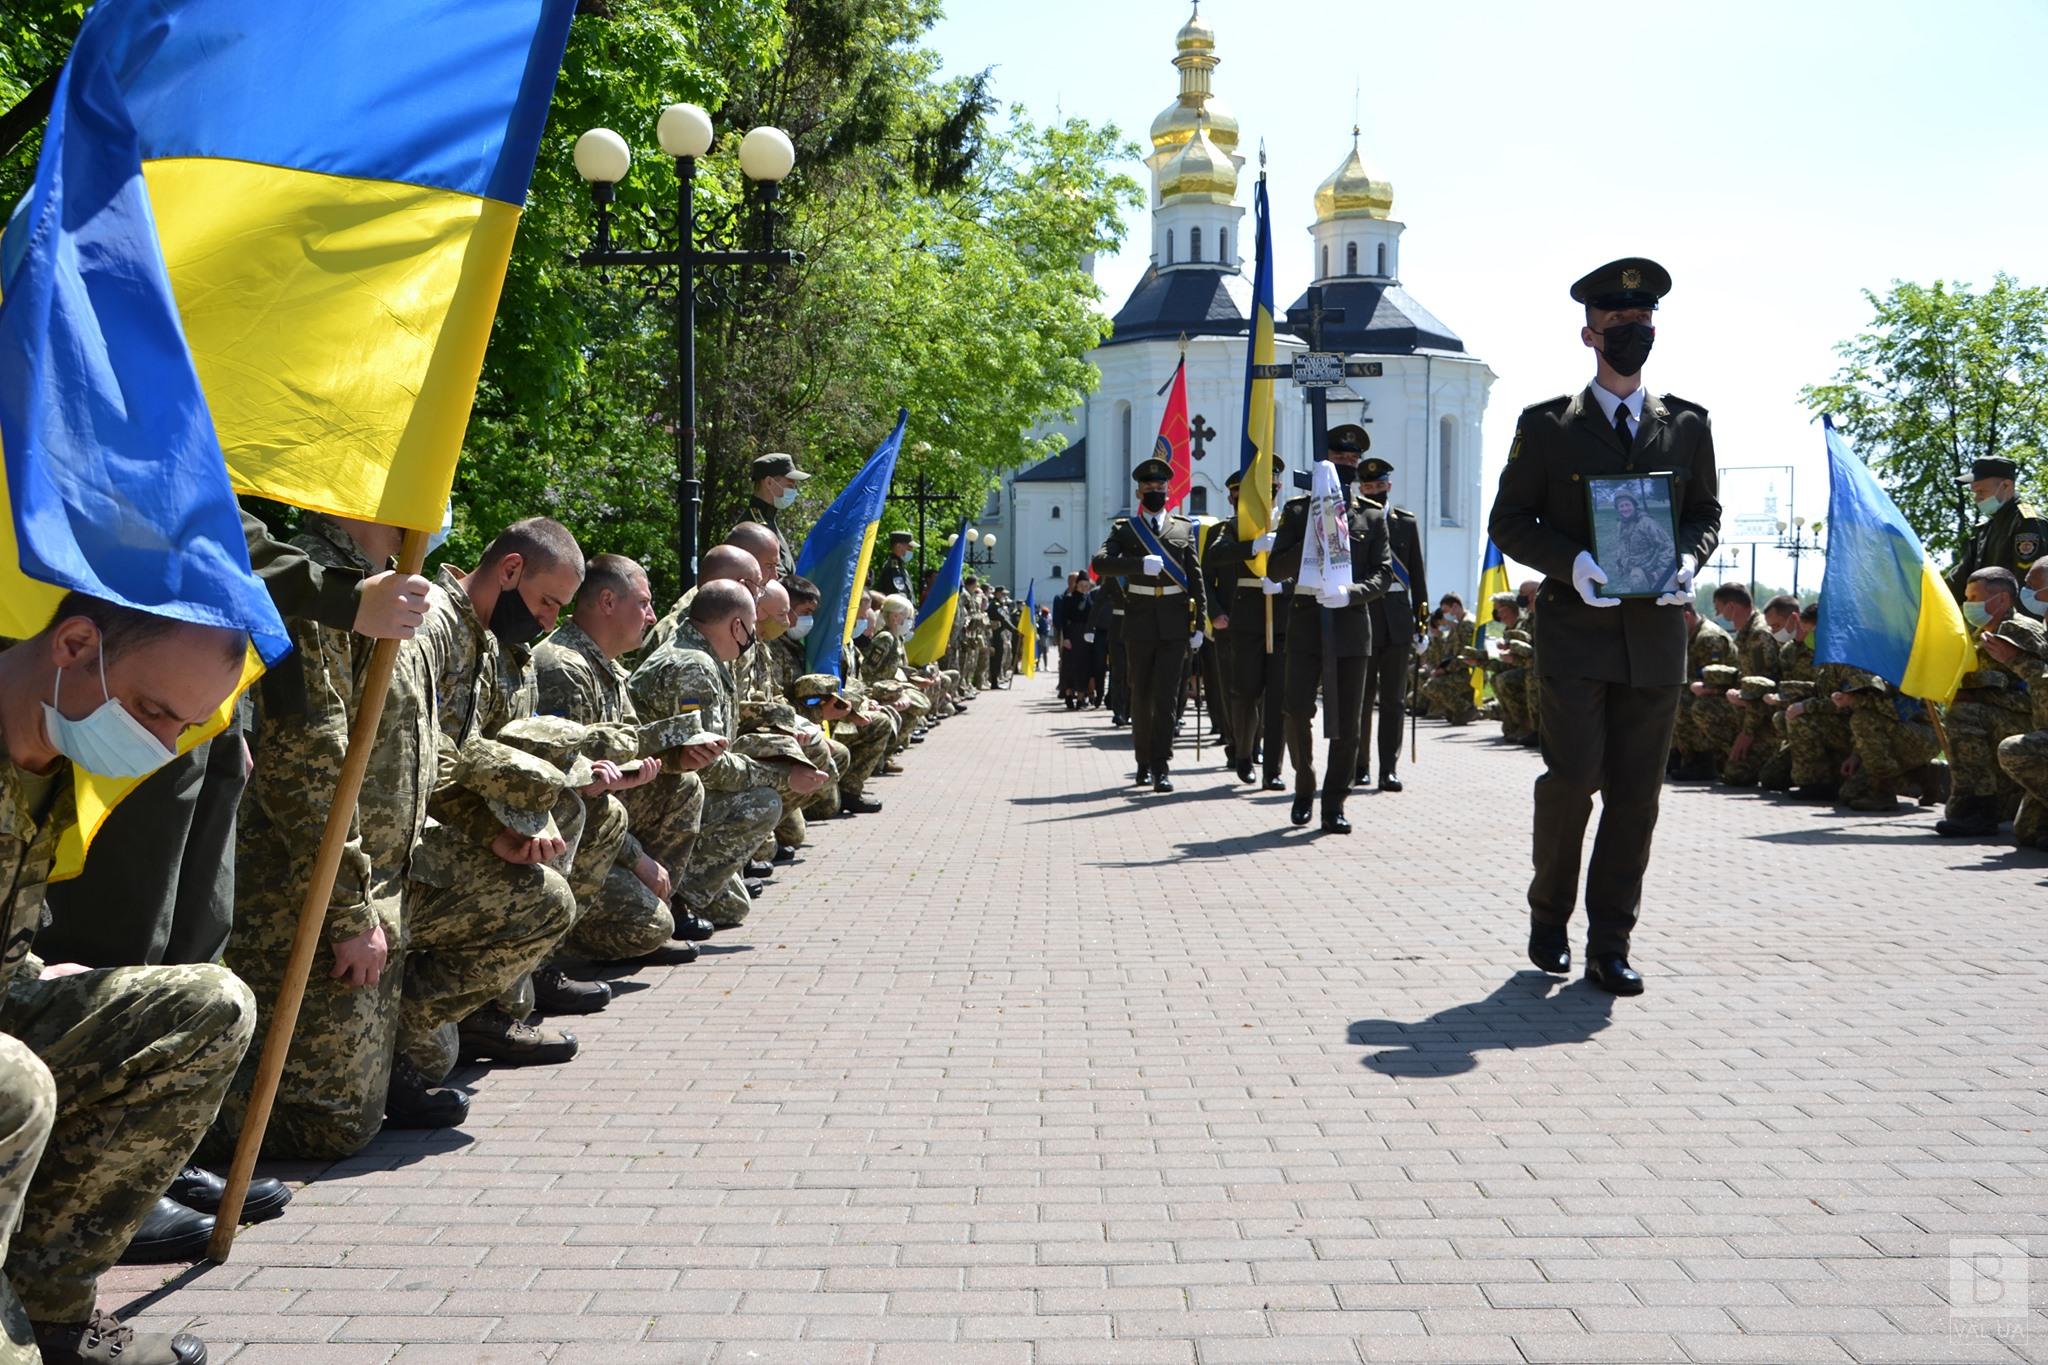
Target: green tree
{"type": "Point", "coordinates": [1944, 376]}
{"type": "Point", "coordinates": [33, 44]}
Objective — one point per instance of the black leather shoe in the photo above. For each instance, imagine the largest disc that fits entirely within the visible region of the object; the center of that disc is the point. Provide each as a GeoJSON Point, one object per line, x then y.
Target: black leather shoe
{"type": "Point", "coordinates": [1273, 784]}
{"type": "Point", "coordinates": [755, 889]}
{"type": "Point", "coordinates": [1611, 972]}
{"type": "Point", "coordinates": [1335, 823]}
{"type": "Point", "coordinates": [1389, 782]}
{"type": "Point", "coordinates": [200, 1189]}
{"type": "Point", "coordinates": [555, 992]}
{"type": "Point", "coordinates": [1304, 806]}
{"type": "Point", "coordinates": [1361, 777]}
{"type": "Point", "coordinates": [170, 1233]}
{"type": "Point", "coordinates": [1550, 950]}
{"type": "Point", "coordinates": [756, 868]}
{"type": "Point", "coordinates": [690, 926]}
{"type": "Point", "coordinates": [1161, 782]}
{"type": "Point", "coordinates": [1144, 776]}
{"type": "Point", "coordinates": [412, 1103]}
{"type": "Point", "coordinates": [105, 1340]}
{"type": "Point", "coordinates": [858, 804]}
{"type": "Point", "coordinates": [1244, 774]}
{"type": "Point", "coordinates": [673, 953]}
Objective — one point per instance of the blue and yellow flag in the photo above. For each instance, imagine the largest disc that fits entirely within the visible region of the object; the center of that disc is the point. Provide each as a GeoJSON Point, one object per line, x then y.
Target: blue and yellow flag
{"type": "Point", "coordinates": [336, 188]}
{"type": "Point", "coordinates": [114, 481]}
{"type": "Point", "coordinates": [1027, 634]}
{"type": "Point", "coordinates": [941, 604]}
{"type": "Point", "coordinates": [838, 549]}
{"type": "Point", "coordinates": [1255, 492]}
{"type": "Point", "coordinates": [1493, 578]}
{"type": "Point", "coordinates": [1883, 608]}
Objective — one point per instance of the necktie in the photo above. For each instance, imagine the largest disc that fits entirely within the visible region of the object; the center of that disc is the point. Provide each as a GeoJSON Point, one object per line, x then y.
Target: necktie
{"type": "Point", "coordinates": [1628, 440]}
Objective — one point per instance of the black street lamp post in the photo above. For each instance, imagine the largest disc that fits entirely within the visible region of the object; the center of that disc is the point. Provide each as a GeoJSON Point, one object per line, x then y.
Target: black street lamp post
{"type": "Point", "coordinates": [685, 133]}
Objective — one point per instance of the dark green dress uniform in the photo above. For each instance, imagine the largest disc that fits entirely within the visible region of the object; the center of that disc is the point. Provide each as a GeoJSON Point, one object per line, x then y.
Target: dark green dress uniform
{"type": "Point", "coordinates": [1160, 616]}
{"type": "Point", "coordinates": [892, 575]}
{"type": "Point", "coordinates": [1396, 618]}
{"type": "Point", "coordinates": [1329, 647]}
{"type": "Point", "coordinates": [2013, 537]}
{"type": "Point", "coordinates": [1251, 675]}
{"type": "Point", "coordinates": [1611, 676]}
{"type": "Point", "coordinates": [1216, 587]}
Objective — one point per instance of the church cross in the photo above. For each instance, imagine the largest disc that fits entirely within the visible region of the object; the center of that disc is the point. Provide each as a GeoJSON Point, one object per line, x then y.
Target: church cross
{"type": "Point", "coordinates": [1314, 316]}
{"type": "Point", "coordinates": [1200, 434]}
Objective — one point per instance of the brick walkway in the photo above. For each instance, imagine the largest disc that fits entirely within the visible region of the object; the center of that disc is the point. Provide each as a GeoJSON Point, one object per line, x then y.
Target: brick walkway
{"type": "Point", "coordinates": [1032, 1069]}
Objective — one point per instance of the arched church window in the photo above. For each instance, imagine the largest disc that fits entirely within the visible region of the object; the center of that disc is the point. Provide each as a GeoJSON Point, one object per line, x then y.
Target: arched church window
{"type": "Point", "coordinates": [1194, 244]}
{"type": "Point", "coordinates": [1223, 245]}
{"type": "Point", "coordinates": [1123, 417]}
{"type": "Point", "coordinates": [1169, 246]}
{"type": "Point", "coordinates": [1198, 500]}
{"type": "Point", "coordinates": [1383, 260]}
{"type": "Point", "coordinates": [1326, 262]}
{"type": "Point", "coordinates": [1055, 511]}
{"type": "Point", "coordinates": [1351, 258]}
{"type": "Point", "coordinates": [1450, 497]}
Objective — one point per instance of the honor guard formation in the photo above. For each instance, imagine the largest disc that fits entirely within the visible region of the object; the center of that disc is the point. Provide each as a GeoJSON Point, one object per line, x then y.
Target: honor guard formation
{"type": "Point", "coordinates": [560, 781]}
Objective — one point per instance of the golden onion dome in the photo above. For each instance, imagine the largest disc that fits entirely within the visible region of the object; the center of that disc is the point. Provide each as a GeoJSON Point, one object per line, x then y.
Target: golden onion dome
{"type": "Point", "coordinates": [1201, 167]}
{"type": "Point", "coordinates": [1351, 193]}
{"type": "Point", "coordinates": [1196, 35]}
{"type": "Point", "coordinates": [1176, 124]}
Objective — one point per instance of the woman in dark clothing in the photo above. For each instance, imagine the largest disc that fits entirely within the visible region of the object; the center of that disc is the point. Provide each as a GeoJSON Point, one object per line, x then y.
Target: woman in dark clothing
{"type": "Point", "coordinates": [1077, 654]}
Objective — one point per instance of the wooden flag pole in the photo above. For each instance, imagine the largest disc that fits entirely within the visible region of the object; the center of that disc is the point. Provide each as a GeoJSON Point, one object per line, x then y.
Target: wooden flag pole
{"type": "Point", "coordinates": [284, 1016]}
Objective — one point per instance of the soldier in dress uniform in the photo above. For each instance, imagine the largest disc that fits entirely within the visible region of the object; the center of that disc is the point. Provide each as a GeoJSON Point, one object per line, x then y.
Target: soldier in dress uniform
{"type": "Point", "coordinates": [1153, 550]}
{"type": "Point", "coordinates": [1612, 670]}
{"type": "Point", "coordinates": [2012, 534]}
{"type": "Point", "coordinates": [1251, 675]}
{"type": "Point", "coordinates": [777, 481]}
{"type": "Point", "coordinates": [1330, 647]}
{"type": "Point", "coordinates": [892, 575]}
{"type": "Point", "coordinates": [1396, 618]}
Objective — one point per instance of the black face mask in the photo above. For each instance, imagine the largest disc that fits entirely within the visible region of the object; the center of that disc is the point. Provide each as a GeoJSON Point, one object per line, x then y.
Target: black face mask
{"type": "Point", "coordinates": [752, 639]}
{"type": "Point", "coordinates": [1526, 601]}
{"type": "Point", "coordinates": [1347, 474]}
{"type": "Point", "coordinates": [1153, 500]}
{"type": "Point", "coordinates": [1627, 346]}
{"type": "Point", "coordinates": [512, 621]}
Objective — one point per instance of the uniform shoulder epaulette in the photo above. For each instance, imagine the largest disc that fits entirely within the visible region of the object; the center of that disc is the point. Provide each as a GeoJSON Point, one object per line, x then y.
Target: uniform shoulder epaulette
{"type": "Point", "coordinates": [1400, 512]}
{"type": "Point", "coordinates": [1672, 400]}
{"type": "Point", "coordinates": [1550, 407]}
{"type": "Point", "coordinates": [1297, 498]}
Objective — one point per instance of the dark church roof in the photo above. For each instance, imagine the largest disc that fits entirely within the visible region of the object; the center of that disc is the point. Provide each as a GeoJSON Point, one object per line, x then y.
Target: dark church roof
{"type": "Point", "coordinates": [1069, 466]}
{"type": "Point", "coordinates": [1167, 303]}
{"type": "Point", "coordinates": [1379, 319]}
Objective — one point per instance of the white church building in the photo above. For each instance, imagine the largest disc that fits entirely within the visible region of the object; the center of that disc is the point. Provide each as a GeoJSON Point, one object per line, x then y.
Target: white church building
{"type": "Point", "coordinates": [1423, 411]}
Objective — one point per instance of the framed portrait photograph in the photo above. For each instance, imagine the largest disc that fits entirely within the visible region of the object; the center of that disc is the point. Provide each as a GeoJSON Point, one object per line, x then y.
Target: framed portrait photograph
{"type": "Point", "coordinates": [1635, 532]}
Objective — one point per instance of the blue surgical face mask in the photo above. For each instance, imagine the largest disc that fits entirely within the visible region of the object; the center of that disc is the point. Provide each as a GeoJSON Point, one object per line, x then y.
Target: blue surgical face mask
{"type": "Point", "coordinates": [1977, 614]}
{"type": "Point", "coordinates": [860, 627]}
{"type": "Point", "coordinates": [1724, 623]}
{"type": "Point", "coordinates": [786, 498]}
{"type": "Point", "coordinates": [801, 628]}
{"type": "Point", "coordinates": [1989, 506]}
{"type": "Point", "coordinates": [110, 741]}
{"type": "Point", "coordinates": [2037, 606]}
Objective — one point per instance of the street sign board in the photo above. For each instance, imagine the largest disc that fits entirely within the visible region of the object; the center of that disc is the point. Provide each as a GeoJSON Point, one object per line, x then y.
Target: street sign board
{"type": "Point", "coordinates": [1319, 369]}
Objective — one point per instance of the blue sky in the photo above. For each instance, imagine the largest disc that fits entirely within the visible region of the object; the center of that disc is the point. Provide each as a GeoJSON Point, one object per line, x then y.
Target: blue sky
{"type": "Point", "coordinates": [1778, 158]}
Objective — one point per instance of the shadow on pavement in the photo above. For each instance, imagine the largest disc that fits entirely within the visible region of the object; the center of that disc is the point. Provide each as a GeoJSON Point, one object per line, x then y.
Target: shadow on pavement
{"type": "Point", "coordinates": [1146, 796]}
{"type": "Point", "coordinates": [1525, 1011]}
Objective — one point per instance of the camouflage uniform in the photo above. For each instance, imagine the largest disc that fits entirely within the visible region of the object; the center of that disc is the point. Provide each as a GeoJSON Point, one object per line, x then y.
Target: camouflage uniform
{"type": "Point", "coordinates": [885, 668]}
{"type": "Point", "coordinates": [330, 1099]}
{"type": "Point", "coordinates": [138, 1058]}
{"type": "Point", "coordinates": [1757, 658]}
{"type": "Point", "coordinates": [1795, 676]}
{"type": "Point", "coordinates": [2024, 758]}
{"type": "Point", "coordinates": [743, 797]}
{"type": "Point", "coordinates": [1991, 706]}
{"type": "Point", "coordinates": [1818, 739]}
{"type": "Point", "coordinates": [1450, 695]}
{"type": "Point", "coordinates": [1511, 680]}
{"type": "Point", "coordinates": [1892, 740]}
{"type": "Point", "coordinates": [765, 711]}
{"type": "Point", "coordinates": [475, 924]}
{"type": "Point", "coordinates": [1693, 735]}
{"type": "Point", "coordinates": [28, 1109]}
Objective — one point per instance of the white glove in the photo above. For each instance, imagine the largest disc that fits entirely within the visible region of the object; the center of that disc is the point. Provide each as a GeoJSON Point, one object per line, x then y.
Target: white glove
{"type": "Point", "coordinates": [1262, 544]}
{"type": "Point", "coordinates": [1195, 641]}
{"type": "Point", "coordinates": [1088, 637]}
{"type": "Point", "coordinates": [1154, 565]}
{"type": "Point", "coordinates": [1586, 574]}
{"type": "Point", "coordinates": [1682, 593]}
{"type": "Point", "coordinates": [1269, 587]}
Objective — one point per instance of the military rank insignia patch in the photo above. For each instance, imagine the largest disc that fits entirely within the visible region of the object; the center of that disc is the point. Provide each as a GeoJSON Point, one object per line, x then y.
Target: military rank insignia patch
{"type": "Point", "coordinates": [2027, 547]}
{"type": "Point", "coordinates": [1516, 448]}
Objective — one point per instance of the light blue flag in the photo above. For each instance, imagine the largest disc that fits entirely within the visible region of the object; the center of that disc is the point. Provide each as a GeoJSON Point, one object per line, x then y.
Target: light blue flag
{"type": "Point", "coordinates": [838, 550]}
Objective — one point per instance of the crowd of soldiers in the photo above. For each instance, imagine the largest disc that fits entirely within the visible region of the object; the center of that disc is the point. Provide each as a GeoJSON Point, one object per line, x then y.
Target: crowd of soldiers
{"type": "Point", "coordinates": [563, 788]}
{"type": "Point", "coordinates": [1759, 712]}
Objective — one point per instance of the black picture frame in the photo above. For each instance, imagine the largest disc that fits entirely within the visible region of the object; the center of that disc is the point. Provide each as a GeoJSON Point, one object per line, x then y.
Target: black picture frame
{"type": "Point", "coordinates": [1643, 563]}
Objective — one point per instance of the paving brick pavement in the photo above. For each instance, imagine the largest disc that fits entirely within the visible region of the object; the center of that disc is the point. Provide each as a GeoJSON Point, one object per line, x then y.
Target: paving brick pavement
{"type": "Point", "coordinates": [1035, 1068]}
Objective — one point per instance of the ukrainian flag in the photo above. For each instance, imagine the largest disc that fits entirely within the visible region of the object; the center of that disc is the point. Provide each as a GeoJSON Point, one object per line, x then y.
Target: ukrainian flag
{"type": "Point", "coordinates": [1493, 578]}
{"type": "Point", "coordinates": [839, 548]}
{"type": "Point", "coordinates": [336, 188]}
{"type": "Point", "coordinates": [1027, 634]}
{"type": "Point", "coordinates": [114, 481]}
{"type": "Point", "coordinates": [935, 614]}
{"type": "Point", "coordinates": [1883, 608]}
{"type": "Point", "coordinates": [1255, 491]}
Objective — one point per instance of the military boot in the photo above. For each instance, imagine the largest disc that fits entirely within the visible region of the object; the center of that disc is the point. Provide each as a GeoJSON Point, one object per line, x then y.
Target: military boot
{"type": "Point", "coordinates": [491, 1035]}
{"type": "Point", "coordinates": [556, 992]}
{"type": "Point", "coordinates": [2030, 824]}
{"type": "Point", "coordinates": [1969, 817]}
{"type": "Point", "coordinates": [105, 1340]}
{"type": "Point", "coordinates": [1932, 780]}
{"type": "Point", "coordinates": [414, 1102]}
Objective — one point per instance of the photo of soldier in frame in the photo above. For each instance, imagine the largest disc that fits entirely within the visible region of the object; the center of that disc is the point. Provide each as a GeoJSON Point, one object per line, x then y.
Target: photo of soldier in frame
{"type": "Point", "coordinates": [1634, 519]}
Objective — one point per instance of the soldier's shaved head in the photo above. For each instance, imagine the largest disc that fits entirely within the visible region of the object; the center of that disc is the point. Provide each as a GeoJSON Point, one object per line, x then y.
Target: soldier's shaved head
{"type": "Point", "coordinates": [731, 563]}
{"type": "Point", "coordinates": [720, 601]}
{"type": "Point", "coordinates": [760, 542]}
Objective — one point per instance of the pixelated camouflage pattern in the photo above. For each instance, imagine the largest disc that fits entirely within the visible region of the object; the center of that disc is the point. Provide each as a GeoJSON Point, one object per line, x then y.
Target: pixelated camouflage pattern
{"type": "Point", "coordinates": [28, 1110]}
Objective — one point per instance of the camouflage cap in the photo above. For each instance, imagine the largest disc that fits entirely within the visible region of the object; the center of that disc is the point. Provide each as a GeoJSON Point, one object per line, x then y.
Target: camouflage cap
{"type": "Point", "coordinates": [1506, 599]}
{"type": "Point", "coordinates": [1755, 688]}
{"type": "Point", "coordinates": [556, 739]}
{"type": "Point", "coordinates": [520, 788]}
{"type": "Point", "coordinates": [1796, 689]}
{"type": "Point", "coordinates": [1720, 675]}
{"type": "Point", "coordinates": [673, 732]}
{"type": "Point", "coordinates": [773, 745]}
{"type": "Point", "coordinates": [812, 686]}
